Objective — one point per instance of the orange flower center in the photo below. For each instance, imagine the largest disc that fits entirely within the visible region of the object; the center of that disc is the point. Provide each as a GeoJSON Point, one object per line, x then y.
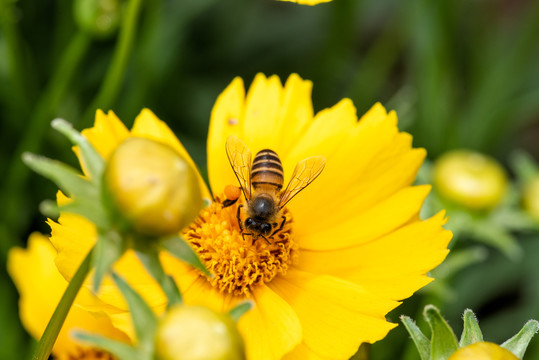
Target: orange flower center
{"type": "Point", "coordinates": [239, 262]}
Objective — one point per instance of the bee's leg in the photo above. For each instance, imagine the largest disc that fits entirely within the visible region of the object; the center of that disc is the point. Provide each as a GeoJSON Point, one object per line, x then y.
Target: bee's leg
{"type": "Point", "coordinates": [238, 215]}
{"type": "Point", "coordinates": [280, 227]}
{"type": "Point", "coordinates": [267, 241]}
{"type": "Point", "coordinates": [243, 235]}
{"type": "Point", "coordinates": [229, 202]}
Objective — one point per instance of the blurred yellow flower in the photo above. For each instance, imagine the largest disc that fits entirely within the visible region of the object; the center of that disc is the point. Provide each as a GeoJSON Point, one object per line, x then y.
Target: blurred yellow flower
{"type": "Point", "coordinates": [352, 246]}
{"type": "Point", "coordinates": [307, 2]}
{"type": "Point", "coordinates": [483, 351]}
{"type": "Point", "coordinates": [41, 286]}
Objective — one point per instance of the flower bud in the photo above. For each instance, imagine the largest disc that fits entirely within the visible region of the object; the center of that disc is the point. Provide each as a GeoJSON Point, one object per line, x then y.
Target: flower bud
{"type": "Point", "coordinates": [152, 187]}
{"type": "Point", "coordinates": [100, 18]}
{"type": "Point", "coordinates": [530, 198]}
{"type": "Point", "coordinates": [469, 178]}
{"type": "Point", "coordinates": [483, 351]}
{"type": "Point", "coordinates": [198, 333]}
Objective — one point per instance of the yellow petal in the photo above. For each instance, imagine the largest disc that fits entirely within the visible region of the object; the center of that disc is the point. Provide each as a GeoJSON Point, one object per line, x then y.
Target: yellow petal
{"type": "Point", "coordinates": [303, 352]}
{"type": "Point", "coordinates": [355, 228]}
{"type": "Point", "coordinates": [336, 315]}
{"type": "Point", "coordinates": [107, 133]}
{"type": "Point", "coordinates": [307, 2]}
{"type": "Point", "coordinates": [269, 109]}
{"type": "Point", "coordinates": [392, 266]}
{"type": "Point", "coordinates": [271, 328]}
{"type": "Point", "coordinates": [41, 286]}
{"type": "Point", "coordinates": [226, 119]}
{"type": "Point", "coordinates": [147, 125]}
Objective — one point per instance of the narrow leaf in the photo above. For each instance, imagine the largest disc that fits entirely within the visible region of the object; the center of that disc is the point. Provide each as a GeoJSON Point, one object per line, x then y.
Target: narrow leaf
{"type": "Point", "coordinates": [443, 340]}
{"type": "Point", "coordinates": [52, 330]}
{"type": "Point", "coordinates": [120, 350]}
{"type": "Point", "coordinates": [472, 332]}
{"type": "Point", "coordinates": [150, 259]}
{"type": "Point", "coordinates": [494, 235]}
{"type": "Point", "coordinates": [91, 158]}
{"type": "Point", "coordinates": [421, 342]}
{"type": "Point", "coordinates": [180, 249]}
{"type": "Point", "coordinates": [240, 309]}
{"type": "Point", "coordinates": [108, 249]}
{"type": "Point", "coordinates": [69, 180]}
{"type": "Point", "coordinates": [144, 320]}
{"type": "Point", "coordinates": [524, 166]}
{"type": "Point", "coordinates": [518, 343]}
{"type": "Point", "coordinates": [91, 210]}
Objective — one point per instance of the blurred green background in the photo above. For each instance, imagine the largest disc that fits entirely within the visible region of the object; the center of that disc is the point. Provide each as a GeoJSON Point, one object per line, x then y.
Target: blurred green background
{"type": "Point", "coordinates": [459, 73]}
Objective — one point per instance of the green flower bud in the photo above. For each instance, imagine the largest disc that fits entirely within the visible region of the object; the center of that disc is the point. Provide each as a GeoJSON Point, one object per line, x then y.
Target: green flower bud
{"type": "Point", "coordinates": [471, 179]}
{"type": "Point", "coordinates": [198, 333]}
{"type": "Point", "coordinates": [483, 351]}
{"type": "Point", "coordinates": [100, 18]}
{"type": "Point", "coordinates": [530, 198]}
{"type": "Point", "coordinates": [152, 187]}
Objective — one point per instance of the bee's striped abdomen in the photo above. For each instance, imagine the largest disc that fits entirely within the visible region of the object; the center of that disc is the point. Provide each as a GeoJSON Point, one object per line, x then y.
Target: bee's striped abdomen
{"type": "Point", "coordinates": [267, 170]}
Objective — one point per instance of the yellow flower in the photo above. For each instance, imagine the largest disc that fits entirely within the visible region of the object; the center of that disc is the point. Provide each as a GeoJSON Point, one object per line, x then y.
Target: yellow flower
{"type": "Point", "coordinates": [308, 2]}
{"type": "Point", "coordinates": [41, 286]}
{"type": "Point", "coordinates": [352, 245]}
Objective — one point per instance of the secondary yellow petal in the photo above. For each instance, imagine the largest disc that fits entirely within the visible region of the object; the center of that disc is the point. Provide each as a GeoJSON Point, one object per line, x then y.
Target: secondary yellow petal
{"type": "Point", "coordinates": [41, 286]}
{"type": "Point", "coordinates": [271, 328]}
{"type": "Point", "coordinates": [336, 315]}
{"type": "Point", "coordinates": [393, 266]}
{"type": "Point", "coordinates": [303, 352]}
{"type": "Point", "coordinates": [107, 133]}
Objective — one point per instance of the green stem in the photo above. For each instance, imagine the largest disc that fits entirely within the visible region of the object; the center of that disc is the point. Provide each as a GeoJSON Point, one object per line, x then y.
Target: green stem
{"type": "Point", "coordinates": [17, 175]}
{"type": "Point", "coordinates": [48, 339]}
{"type": "Point", "coordinates": [113, 79]}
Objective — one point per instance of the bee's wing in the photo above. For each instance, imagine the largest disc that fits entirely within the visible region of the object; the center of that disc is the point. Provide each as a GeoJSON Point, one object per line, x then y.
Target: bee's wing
{"type": "Point", "coordinates": [239, 156]}
{"type": "Point", "coordinates": [305, 172]}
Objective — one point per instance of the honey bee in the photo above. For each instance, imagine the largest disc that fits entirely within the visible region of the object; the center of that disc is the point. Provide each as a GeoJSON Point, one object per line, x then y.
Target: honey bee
{"type": "Point", "coordinates": [262, 182]}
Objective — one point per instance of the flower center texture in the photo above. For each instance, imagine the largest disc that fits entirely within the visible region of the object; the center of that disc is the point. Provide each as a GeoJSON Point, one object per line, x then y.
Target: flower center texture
{"type": "Point", "coordinates": [238, 262]}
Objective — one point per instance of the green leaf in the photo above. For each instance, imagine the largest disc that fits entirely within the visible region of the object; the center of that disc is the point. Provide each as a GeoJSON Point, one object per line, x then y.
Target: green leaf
{"type": "Point", "coordinates": [108, 249]}
{"type": "Point", "coordinates": [69, 180]}
{"type": "Point", "coordinates": [494, 235]}
{"type": "Point", "coordinates": [144, 320]}
{"type": "Point", "coordinates": [150, 259]}
{"type": "Point", "coordinates": [48, 339]}
{"type": "Point", "coordinates": [518, 343]}
{"type": "Point", "coordinates": [443, 340]}
{"type": "Point", "coordinates": [524, 166]}
{"type": "Point", "coordinates": [119, 349]}
{"type": "Point", "coordinates": [240, 309]}
{"type": "Point", "coordinates": [471, 332]}
{"type": "Point", "coordinates": [93, 162]}
{"type": "Point", "coordinates": [180, 249]}
{"type": "Point", "coordinates": [421, 342]}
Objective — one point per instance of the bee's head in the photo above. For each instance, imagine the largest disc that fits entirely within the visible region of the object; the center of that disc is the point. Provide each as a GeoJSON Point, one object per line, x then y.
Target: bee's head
{"type": "Point", "coordinates": [262, 228]}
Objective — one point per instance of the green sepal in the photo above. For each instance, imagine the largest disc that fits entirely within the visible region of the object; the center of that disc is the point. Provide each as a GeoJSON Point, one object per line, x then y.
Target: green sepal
{"type": "Point", "coordinates": [471, 332]}
{"type": "Point", "coordinates": [443, 339]}
{"type": "Point", "coordinates": [108, 249]}
{"type": "Point", "coordinates": [150, 259]}
{"type": "Point", "coordinates": [93, 162]}
{"type": "Point", "coordinates": [239, 310]}
{"type": "Point", "coordinates": [421, 342]}
{"type": "Point", "coordinates": [120, 350]}
{"type": "Point", "coordinates": [518, 343]}
{"type": "Point", "coordinates": [144, 320]}
{"type": "Point", "coordinates": [49, 208]}
{"type": "Point", "coordinates": [179, 248]}
{"type": "Point", "coordinates": [69, 180]}
{"type": "Point", "coordinates": [91, 210]}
